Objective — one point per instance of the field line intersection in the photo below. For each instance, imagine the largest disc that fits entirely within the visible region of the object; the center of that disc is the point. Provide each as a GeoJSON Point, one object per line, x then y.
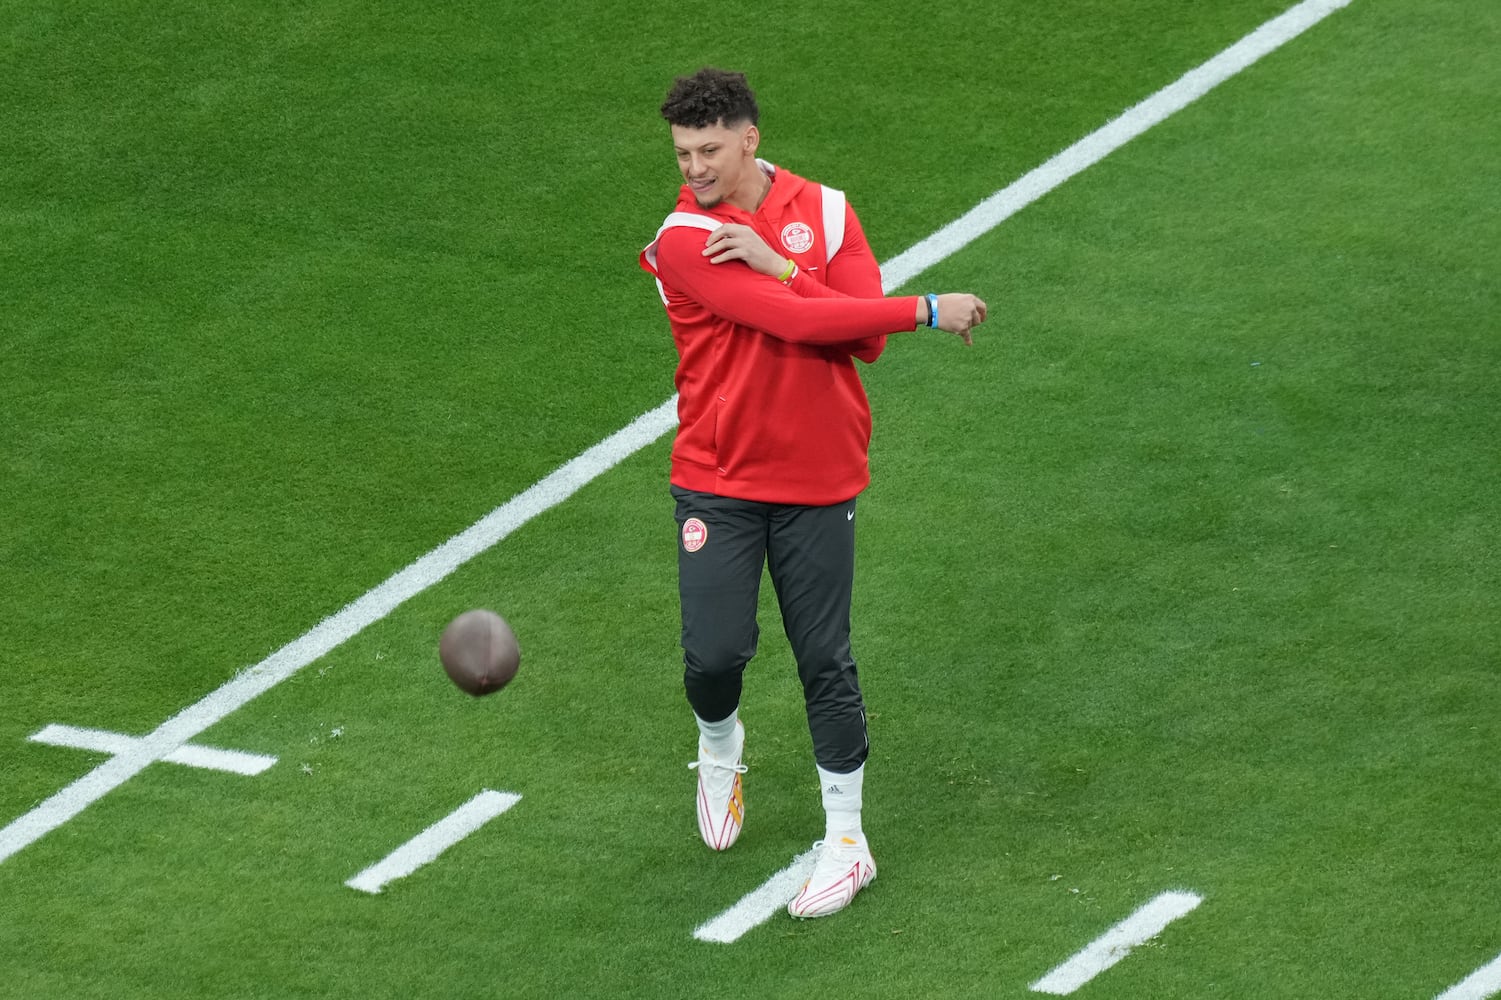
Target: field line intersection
{"type": "Point", "coordinates": [132, 755]}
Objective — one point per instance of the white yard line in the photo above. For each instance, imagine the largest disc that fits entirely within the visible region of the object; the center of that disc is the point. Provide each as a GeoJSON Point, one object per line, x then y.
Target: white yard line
{"type": "Point", "coordinates": [1483, 983]}
{"type": "Point", "coordinates": [1116, 943]}
{"type": "Point", "coordinates": [568, 479]}
{"type": "Point", "coordinates": [328, 634]}
{"type": "Point", "coordinates": [1102, 142]}
{"type": "Point", "coordinates": [761, 905]}
{"type": "Point", "coordinates": [433, 841]}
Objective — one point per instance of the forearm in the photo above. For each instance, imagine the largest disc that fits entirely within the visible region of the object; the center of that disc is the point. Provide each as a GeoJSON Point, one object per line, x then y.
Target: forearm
{"type": "Point", "coordinates": [822, 315]}
{"type": "Point", "coordinates": [817, 316]}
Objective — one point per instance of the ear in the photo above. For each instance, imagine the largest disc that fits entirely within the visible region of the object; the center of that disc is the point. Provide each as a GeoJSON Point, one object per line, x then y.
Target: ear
{"type": "Point", "coordinates": [752, 140]}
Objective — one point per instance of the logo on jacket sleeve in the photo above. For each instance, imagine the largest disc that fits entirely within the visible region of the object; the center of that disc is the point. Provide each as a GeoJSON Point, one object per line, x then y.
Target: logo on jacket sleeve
{"type": "Point", "coordinates": [797, 237]}
{"type": "Point", "coordinates": [695, 534]}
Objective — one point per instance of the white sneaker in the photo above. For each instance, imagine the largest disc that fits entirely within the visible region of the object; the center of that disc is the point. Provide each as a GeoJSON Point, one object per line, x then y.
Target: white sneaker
{"type": "Point", "coordinates": [721, 797]}
{"type": "Point", "coordinates": [844, 867]}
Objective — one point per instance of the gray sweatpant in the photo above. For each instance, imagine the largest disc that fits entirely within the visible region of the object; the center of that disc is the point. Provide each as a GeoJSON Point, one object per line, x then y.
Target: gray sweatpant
{"type": "Point", "coordinates": [723, 544]}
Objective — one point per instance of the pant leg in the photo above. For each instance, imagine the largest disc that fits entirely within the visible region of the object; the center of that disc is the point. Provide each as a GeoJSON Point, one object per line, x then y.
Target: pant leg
{"type": "Point", "coordinates": [811, 554]}
{"type": "Point", "coordinates": [721, 550]}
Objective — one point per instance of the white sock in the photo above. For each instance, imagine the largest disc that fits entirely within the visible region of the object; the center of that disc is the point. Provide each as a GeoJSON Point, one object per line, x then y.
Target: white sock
{"type": "Point", "coordinates": [719, 737]}
{"type": "Point", "coordinates": [841, 803]}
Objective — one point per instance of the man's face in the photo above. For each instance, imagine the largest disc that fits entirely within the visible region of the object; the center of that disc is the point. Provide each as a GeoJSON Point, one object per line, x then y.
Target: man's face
{"type": "Point", "coordinates": [717, 161]}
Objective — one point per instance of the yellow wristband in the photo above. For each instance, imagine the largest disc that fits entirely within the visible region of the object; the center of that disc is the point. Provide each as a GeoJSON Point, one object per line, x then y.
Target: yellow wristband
{"type": "Point", "coordinates": [791, 271]}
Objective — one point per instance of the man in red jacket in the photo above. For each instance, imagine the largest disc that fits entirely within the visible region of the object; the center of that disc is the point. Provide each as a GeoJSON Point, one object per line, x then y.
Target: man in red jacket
{"type": "Point", "coordinates": [772, 291]}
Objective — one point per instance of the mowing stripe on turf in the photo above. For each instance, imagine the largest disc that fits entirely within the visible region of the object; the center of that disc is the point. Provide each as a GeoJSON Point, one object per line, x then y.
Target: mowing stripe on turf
{"type": "Point", "coordinates": [433, 841]}
{"type": "Point", "coordinates": [1481, 984]}
{"type": "Point", "coordinates": [563, 483]}
{"type": "Point", "coordinates": [1116, 943]}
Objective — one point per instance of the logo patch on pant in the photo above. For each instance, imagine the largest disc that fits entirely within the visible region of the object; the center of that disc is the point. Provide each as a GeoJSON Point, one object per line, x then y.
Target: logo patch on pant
{"type": "Point", "coordinates": [695, 534]}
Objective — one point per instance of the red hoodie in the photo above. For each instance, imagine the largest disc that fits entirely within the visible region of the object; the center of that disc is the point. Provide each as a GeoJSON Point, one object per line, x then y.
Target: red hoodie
{"type": "Point", "coordinates": [770, 407]}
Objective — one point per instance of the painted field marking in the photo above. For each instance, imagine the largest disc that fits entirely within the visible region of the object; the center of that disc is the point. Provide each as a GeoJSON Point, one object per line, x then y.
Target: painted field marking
{"type": "Point", "coordinates": [760, 905]}
{"type": "Point", "coordinates": [644, 430]}
{"type": "Point", "coordinates": [1481, 984]}
{"type": "Point", "coordinates": [332, 632]}
{"type": "Point", "coordinates": [433, 841]}
{"type": "Point", "coordinates": [1102, 142]}
{"type": "Point", "coordinates": [1116, 943]}
{"type": "Point", "coordinates": [103, 741]}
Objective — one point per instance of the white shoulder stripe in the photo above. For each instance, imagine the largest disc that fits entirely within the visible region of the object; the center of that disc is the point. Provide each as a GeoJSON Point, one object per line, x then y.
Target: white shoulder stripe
{"type": "Point", "coordinates": [833, 220]}
{"type": "Point", "coordinates": [689, 219]}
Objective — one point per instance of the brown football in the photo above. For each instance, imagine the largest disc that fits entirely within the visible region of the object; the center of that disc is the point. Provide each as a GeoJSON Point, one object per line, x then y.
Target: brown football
{"type": "Point", "coordinates": [479, 652]}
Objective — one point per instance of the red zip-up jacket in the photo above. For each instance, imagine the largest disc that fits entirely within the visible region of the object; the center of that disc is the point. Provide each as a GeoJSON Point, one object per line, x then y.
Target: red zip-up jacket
{"type": "Point", "coordinates": [770, 406]}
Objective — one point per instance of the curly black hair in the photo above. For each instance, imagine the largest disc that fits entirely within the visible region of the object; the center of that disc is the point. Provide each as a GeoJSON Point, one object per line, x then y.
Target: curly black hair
{"type": "Point", "coordinates": [710, 97]}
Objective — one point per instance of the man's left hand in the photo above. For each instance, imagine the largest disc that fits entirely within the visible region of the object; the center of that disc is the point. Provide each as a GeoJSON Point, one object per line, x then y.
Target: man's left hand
{"type": "Point", "coordinates": [733, 241]}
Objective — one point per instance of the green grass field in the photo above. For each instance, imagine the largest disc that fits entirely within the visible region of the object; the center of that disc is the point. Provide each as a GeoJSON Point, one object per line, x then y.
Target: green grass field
{"type": "Point", "coordinates": [1186, 576]}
